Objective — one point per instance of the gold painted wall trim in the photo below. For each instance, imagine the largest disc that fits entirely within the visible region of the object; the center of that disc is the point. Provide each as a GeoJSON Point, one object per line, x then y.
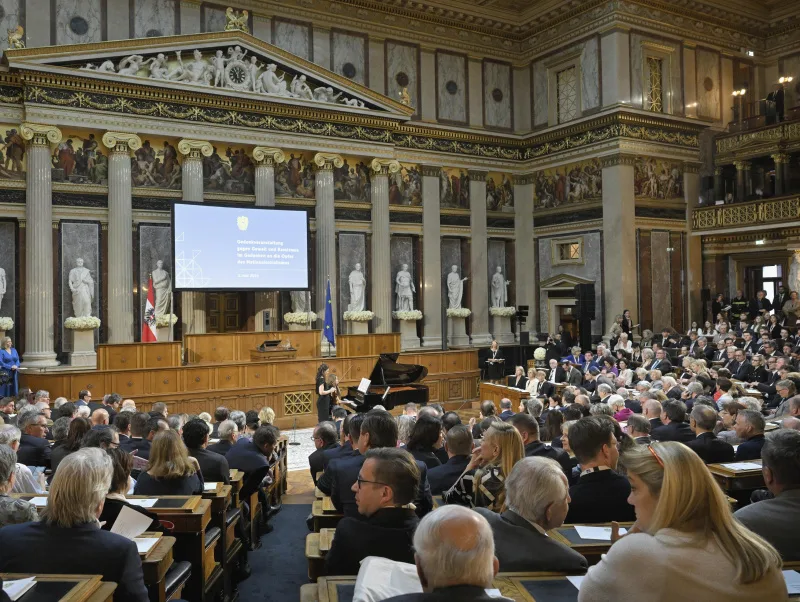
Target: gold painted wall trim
{"type": "Point", "coordinates": [747, 214]}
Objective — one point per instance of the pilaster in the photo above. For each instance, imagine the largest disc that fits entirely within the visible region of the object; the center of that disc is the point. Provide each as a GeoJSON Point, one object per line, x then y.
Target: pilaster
{"type": "Point", "coordinates": [266, 158]}
{"type": "Point", "coordinates": [479, 268]}
{"type": "Point", "coordinates": [325, 218]}
{"type": "Point", "coordinates": [381, 257]}
{"type": "Point", "coordinates": [431, 257]}
{"type": "Point", "coordinates": [523, 241]}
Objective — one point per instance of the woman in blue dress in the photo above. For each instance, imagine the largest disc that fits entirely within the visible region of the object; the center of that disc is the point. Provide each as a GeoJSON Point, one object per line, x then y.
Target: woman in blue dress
{"type": "Point", "coordinates": [9, 362]}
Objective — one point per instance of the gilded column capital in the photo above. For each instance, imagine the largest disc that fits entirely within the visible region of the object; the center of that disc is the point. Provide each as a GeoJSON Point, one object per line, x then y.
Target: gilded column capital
{"type": "Point", "coordinates": [327, 161]}
{"type": "Point", "coordinates": [742, 165]}
{"type": "Point", "coordinates": [780, 158]}
{"type": "Point", "coordinates": [477, 175]}
{"type": "Point", "coordinates": [691, 167]}
{"type": "Point", "coordinates": [383, 167]}
{"type": "Point", "coordinates": [266, 155]}
{"type": "Point", "coordinates": [122, 142]}
{"type": "Point", "coordinates": [618, 159]}
{"type": "Point", "coordinates": [40, 135]}
{"type": "Point", "coordinates": [522, 180]}
{"type": "Point", "coordinates": [195, 149]}
{"type": "Point", "coordinates": [430, 170]}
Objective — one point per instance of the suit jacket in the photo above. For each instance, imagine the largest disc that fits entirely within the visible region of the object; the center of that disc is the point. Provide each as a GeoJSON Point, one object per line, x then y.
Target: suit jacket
{"type": "Point", "coordinates": [674, 393]}
{"type": "Point", "coordinates": [561, 375]}
{"type": "Point", "coordinates": [674, 431]}
{"type": "Point", "coordinates": [101, 406]}
{"type": "Point", "coordinates": [703, 353]}
{"type": "Point", "coordinates": [575, 377]}
{"type": "Point", "coordinates": [222, 447]}
{"type": "Point", "coordinates": [521, 547]}
{"type": "Point", "coordinates": [600, 497]}
{"type": "Point", "coordinates": [445, 476]}
{"type": "Point", "coordinates": [388, 533]}
{"type": "Point", "coordinates": [85, 549]}
{"type": "Point", "coordinates": [245, 456]}
{"type": "Point", "coordinates": [139, 445]}
{"type": "Point", "coordinates": [462, 593]}
{"type": "Point", "coordinates": [655, 423]}
{"type": "Point", "coordinates": [744, 372]}
{"type": "Point", "coordinates": [519, 384]}
{"type": "Point", "coordinates": [215, 430]}
{"type": "Point", "coordinates": [750, 449]}
{"type": "Point", "coordinates": [33, 451]}
{"type": "Point", "coordinates": [768, 519]}
{"type": "Point", "coordinates": [756, 305]}
{"type": "Point", "coordinates": [662, 365]}
{"type": "Point", "coordinates": [315, 460]}
{"type": "Point", "coordinates": [506, 415]}
{"type": "Point", "coordinates": [58, 452]}
{"type": "Point", "coordinates": [428, 458]}
{"type": "Point", "coordinates": [537, 448]}
{"type": "Point", "coordinates": [711, 449]}
{"type": "Point", "coordinates": [340, 451]}
{"type": "Point", "coordinates": [213, 466]}
{"type": "Point", "coordinates": [750, 348]}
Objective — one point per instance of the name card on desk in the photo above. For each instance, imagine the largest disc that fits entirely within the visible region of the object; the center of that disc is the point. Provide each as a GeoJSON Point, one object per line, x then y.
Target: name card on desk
{"type": "Point", "coordinates": [148, 503]}
{"type": "Point", "coordinates": [16, 589]}
{"type": "Point", "coordinates": [736, 466]}
{"type": "Point", "coordinates": [792, 579]}
{"type": "Point", "coordinates": [597, 533]}
{"type": "Point", "coordinates": [145, 544]}
{"type": "Point", "coordinates": [211, 487]}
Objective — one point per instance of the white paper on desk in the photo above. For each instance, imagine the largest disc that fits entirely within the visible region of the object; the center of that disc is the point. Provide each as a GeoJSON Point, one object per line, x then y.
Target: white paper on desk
{"type": "Point", "coordinates": [598, 533]}
{"type": "Point", "coordinates": [363, 386]}
{"type": "Point", "coordinates": [493, 593]}
{"type": "Point", "coordinates": [792, 579]}
{"type": "Point", "coordinates": [381, 578]}
{"type": "Point", "coordinates": [16, 589]}
{"type": "Point", "coordinates": [131, 524]}
{"type": "Point", "coordinates": [144, 544]}
{"type": "Point", "coordinates": [147, 503]}
{"type": "Point", "coordinates": [742, 466]}
{"type": "Point", "coordinates": [576, 580]}
{"type": "Point", "coordinates": [210, 486]}
{"type": "Point", "coordinates": [40, 501]}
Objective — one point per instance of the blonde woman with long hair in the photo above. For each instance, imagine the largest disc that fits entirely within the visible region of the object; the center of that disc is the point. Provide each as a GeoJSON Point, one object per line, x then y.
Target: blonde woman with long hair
{"type": "Point", "coordinates": [171, 471]}
{"type": "Point", "coordinates": [482, 484]}
{"type": "Point", "coordinates": [685, 538]}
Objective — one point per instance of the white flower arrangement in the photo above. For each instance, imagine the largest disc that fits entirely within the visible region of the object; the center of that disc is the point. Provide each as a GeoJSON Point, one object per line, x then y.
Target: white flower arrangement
{"type": "Point", "coordinates": [358, 316]}
{"type": "Point", "coordinates": [461, 312]}
{"type": "Point", "coordinates": [503, 312]}
{"type": "Point", "coordinates": [410, 316]}
{"type": "Point", "coordinates": [300, 317]}
{"type": "Point", "coordinates": [539, 354]}
{"type": "Point", "coordinates": [165, 320]}
{"type": "Point", "coordinates": [6, 323]}
{"type": "Point", "coordinates": [82, 323]}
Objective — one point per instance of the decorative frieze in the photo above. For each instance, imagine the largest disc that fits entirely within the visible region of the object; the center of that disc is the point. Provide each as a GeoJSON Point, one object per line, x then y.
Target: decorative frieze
{"type": "Point", "coordinates": [618, 159]}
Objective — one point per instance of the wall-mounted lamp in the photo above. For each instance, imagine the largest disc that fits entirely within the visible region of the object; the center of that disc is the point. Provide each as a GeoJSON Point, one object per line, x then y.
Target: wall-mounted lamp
{"type": "Point", "coordinates": [785, 79]}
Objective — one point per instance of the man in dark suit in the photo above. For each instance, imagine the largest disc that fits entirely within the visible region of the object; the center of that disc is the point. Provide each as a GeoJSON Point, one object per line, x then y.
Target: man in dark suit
{"type": "Point", "coordinates": [387, 483]}
{"type": "Point", "coordinates": [251, 455]}
{"type": "Point", "coordinates": [671, 388]}
{"type": "Point", "coordinates": [143, 429]}
{"type": "Point", "coordinates": [749, 427]}
{"type": "Point", "coordinates": [351, 430]}
{"type": "Point", "coordinates": [213, 466]}
{"type": "Point", "coordinates": [220, 415]}
{"type": "Point", "coordinates": [702, 351]}
{"type": "Point", "coordinates": [458, 443]}
{"type": "Point", "coordinates": [638, 427]}
{"type": "Point", "coordinates": [744, 371]}
{"type": "Point", "coordinates": [667, 339]}
{"type": "Point", "coordinates": [110, 404]}
{"type": "Point", "coordinates": [601, 493]}
{"type": "Point", "coordinates": [228, 433]}
{"type": "Point", "coordinates": [673, 417]}
{"type": "Point", "coordinates": [528, 428]}
{"type": "Point", "coordinates": [589, 362]}
{"type": "Point", "coordinates": [520, 540]}
{"type": "Point", "coordinates": [556, 373]}
{"type": "Point", "coordinates": [573, 373]}
{"type": "Point", "coordinates": [652, 411]}
{"type": "Point", "coordinates": [775, 104]}
{"type": "Point", "coordinates": [711, 449]}
{"type": "Point", "coordinates": [749, 346]}
{"type": "Point", "coordinates": [781, 297]}
{"type": "Point", "coordinates": [661, 362]}
{"type": "Point", "coordinates": [760, 306]}
{"type": "Point", "coordinates": [379, 429]}
{"type": "Point", "coordinates": [505, 410]}
{"type": "Point", "coordinates": [34, 449]}
{"type": "Point", "coordinates": [324, 439]}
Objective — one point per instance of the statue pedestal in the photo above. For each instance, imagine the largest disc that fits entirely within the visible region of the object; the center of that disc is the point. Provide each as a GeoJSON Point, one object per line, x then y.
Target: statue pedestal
{"type": "Point", "coordinates": [354, 327]}
{"type": "Point", "coordinates": [299, 326]}
{"type": "Point", "coordinates": [501, 329]}
{"type": "Point", "coordinates": [2, 334]}
{"type": "Point", "coordinates": [163, 333]}
{"type": "Point", "coordinates": [408, 334]}
{"type": "Point", "coordinates": [457, 332]}
{"type": "Point", "coordinates": [83, 353]}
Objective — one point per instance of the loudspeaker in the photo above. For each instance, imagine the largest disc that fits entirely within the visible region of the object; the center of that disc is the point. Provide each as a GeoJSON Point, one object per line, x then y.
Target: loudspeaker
{"type": "Point", "coordinates": [584, 297]}
{"type": "Point", "coordinates": [705, 295]}
{"type": "Point", "coordinates": [524, 338]}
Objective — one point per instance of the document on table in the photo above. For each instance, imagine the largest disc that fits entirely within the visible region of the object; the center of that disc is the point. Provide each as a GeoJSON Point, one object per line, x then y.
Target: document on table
{"type": "Point", "coordinates": [576, 580]}
{"type": "Point", "coordinates": [143, 503]}
{"type": "Point", "coordinates": [598, 533]}
{"type": "Point", "coordinates": [39, 501]}
{"type": "Point", "coordinates": [130, 523]}
{"type": "Point", "coordinates": [145, 544]}
{"type": "Point", "coordinates": [742, 466]}
{"type": "Point", "coordinates": [493, 593]}
{"type": "Point", "coordinates": [210, 486]}
{"type": "Point", "coordinates": [16, 589]}
{"type": "Point", "coordinates": [792, 579]}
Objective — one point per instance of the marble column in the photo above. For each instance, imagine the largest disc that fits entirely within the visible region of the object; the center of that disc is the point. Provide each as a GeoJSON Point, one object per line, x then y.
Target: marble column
{"type": "Point", "coordinates": [523, 241]}
{"type": "Point", "coordinates": [39, 320]}
{"type": "Point", "coordinates": [266, 159]}
{"type": "Point", "coordinates": [742, 176]}
{"type": "Point", "coordinates": [478, 268]}
{"type": "Point", "coordinates": [719, 187]}
{"type": "Point", "coordinates": [781, 161]}
{"type": "Point", "coordinates": [325, 219]}
{"type": "Point", "coordinates": [694, 250]}
{"type": "Point", "coordinates": [431, 258]}
{"type": "Point", "coordinates": [193, 305]}
{"type": "Point", "coordinates": [120, 221]}
{"type": "Point", "coordinates": [619, 240]}
{"type": "Point", "coordinates": [381, 257]}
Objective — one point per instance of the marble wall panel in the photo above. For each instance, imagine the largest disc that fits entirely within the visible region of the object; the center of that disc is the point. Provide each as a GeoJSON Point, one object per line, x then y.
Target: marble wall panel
{"type": "Point", "coordinates": [661, 281]}
{"type": "Point", "coordinates": [78, 21]}
{"type": "Point", "coordinates": [451, 87]}
{"type": "Point", "coordinates": [708, 84]}
{"type": "Point", "coordinates": [349, 56]}
{"type": "Point", "coordinates": [12, 14]}
{"type": "Point", "coordinates": [402, 252]}
{"type": "Point", "coordinates": [539, 94]}
{"type": "Point", "coordinates": [498, 108]}
{"type": "Point", "coordinates": [293, 37]}
{"type": "Point", "coordinates": [451, 255]}
{"type": "Point", "coordinates": [637, 93]}
{"type": "Point", "coordinates": [672, 72]}
{"type": "Point", "coordinates": [402, 70]}
{"type": "Point", "coordinates": [155, 243]}
{"type": "Point", "coordinates": [8, 263]}
{"type": "Point", "coordinates": [352, 250]}
{"type": "Point", "coordinates": [14, 161]}
{"type": "Point", "coordinates": [213, 19]}
{"type": "Point", "coordinates": [155, 18]}
{"type": "Point", "coordinates": [79, 240]}
{"type": "Point", "coordinates": [496, 256]}
{"type": "Point", "coordinates": [590, 74]}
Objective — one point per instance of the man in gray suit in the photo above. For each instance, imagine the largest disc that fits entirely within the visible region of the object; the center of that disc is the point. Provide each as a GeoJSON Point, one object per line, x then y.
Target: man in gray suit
{"type": "Point", "coordinates": [537, 497]}
{"type": "Point", "coordinates": [574, 375]}
{"type": "Point", "coordinates": [778, 519]}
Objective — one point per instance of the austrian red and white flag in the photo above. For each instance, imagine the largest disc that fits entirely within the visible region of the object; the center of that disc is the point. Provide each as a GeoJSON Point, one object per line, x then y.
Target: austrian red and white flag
{"type": "Point", "coordinates": [149, 321]}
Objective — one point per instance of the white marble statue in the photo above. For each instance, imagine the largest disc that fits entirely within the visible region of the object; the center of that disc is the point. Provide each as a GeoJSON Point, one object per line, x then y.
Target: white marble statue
{"type": "Point", "coordinates": [270, 83]}
{"type": "Point", "coordinates": [499, 288]}
{"type": "Point", "coordinates": [162, 285]}
{"type": "Point", "coordinates": [236, 53]}
{"type": "Point", "coordinates": [81, 284]}
{"type": "Point", "coordinates": [253, 68]}
{"type": "Point", "coordinates": [325, 94]}
{"type": "Point", "coordinates": [353, 102]}
{"type": "Point", "coordinates": [794, 274]}
{"type": "Point", "coordinates": [130, 65]}
{"type": "Point", "coordinates": [197, 71]}
{"type": "Point", "coordinates": [105, 67]}
{"type": "Point", "coordinates": [358, 286]}
{"type": "Point", "coordinates": [299, 302]}
{"type": "Point", "coordinates": [158, 66]}
{"type": "Point", "coordinates": [3, 285]}
{"type": "Point", "coordinates": [300, 88]}
{"type": "Point", "coordinates": [405, 289]}
{"type": "Point", "coordinates": [218, 62]}
{"type": "Point", "coordinates": [455, 288]}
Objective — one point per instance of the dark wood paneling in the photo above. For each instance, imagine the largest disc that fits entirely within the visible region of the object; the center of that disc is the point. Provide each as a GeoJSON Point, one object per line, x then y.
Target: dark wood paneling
{"type": "Point", "coordinates": [645, 281]}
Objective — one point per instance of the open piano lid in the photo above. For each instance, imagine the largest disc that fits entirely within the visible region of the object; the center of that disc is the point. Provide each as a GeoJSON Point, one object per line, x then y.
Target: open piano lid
{"type": "Point", "coordinates": [388, 372]}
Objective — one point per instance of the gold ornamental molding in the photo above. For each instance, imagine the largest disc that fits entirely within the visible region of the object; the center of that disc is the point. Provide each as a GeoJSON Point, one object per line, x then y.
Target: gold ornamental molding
{"type": "Point", "coordinates": [266, 155]}
{"type": "Point", "coordinates": [477, 175]}
{"type": "Point", "coordinates": [122, 142]}
{"type": "Point", "coordinates": [385, 166]}
{"type": "Point", "coordinates": [195, 149]}
{"type": "Point", "coordinates": [746, 214]}
{"type": "Point", "coordinates": [40, 135]}
{"type": "Point", "coordinates": [327, 161]}
{"type": "Point", "coordinates": [431, 171]}
{"type": "Point", "coordinates": [618, 159]}
{"type": "Point", "coordinates": [524, 180]}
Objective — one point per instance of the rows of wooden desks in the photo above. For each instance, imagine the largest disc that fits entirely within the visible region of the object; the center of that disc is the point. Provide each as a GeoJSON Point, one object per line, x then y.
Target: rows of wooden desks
{"type": "Point", "coordinates": [66, 588]}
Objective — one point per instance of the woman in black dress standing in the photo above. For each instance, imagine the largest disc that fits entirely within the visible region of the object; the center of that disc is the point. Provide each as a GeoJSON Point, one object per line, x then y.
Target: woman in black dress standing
{"type": "Point", "coordinates": [324, 399]}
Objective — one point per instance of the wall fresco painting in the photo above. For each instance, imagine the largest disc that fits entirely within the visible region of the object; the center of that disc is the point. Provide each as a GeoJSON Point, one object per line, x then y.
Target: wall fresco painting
{"type": "Point", "coordinates": [657, 178]}
{"type": "Point", "coordinates": [405, 186]}
{"type": "Point", "coordinates": [499, 192]}
{"type": "Point", "coordinates": [567, 184]}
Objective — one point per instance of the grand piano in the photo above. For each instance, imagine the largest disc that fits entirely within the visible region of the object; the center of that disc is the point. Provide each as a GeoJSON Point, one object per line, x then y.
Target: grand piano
{"type": "Point", "coordinates": [392, 384]}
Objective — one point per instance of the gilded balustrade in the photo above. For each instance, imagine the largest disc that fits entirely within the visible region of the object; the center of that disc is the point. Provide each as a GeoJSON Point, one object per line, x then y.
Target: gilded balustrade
{"type": "Point", "coordinates": [746, 214]}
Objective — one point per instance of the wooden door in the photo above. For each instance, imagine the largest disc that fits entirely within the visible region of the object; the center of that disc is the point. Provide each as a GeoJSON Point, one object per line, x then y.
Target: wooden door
{"type": "Point", "coordinates": [223, 312]}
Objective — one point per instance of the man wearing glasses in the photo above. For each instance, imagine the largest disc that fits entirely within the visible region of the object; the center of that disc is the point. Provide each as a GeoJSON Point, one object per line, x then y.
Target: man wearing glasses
{"type": "Point", "coordinates": [386, 485]}
{"type": "Point", "coordinates": [34, 449]}
{"type": "Point", "coordinates": [84, 398]}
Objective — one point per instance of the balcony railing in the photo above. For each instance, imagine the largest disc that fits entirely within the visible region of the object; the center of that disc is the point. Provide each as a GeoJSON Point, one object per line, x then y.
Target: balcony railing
{"type": "Point", "coordinates": [747, 214]}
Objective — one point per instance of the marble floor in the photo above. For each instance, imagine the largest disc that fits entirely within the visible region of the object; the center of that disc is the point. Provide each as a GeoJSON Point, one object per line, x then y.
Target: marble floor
{"type": "Point", "coordinates": [298, 454]}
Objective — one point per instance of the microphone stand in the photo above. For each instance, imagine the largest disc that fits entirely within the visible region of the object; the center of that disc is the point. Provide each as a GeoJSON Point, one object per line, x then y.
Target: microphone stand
{"type": "Point", "coordinates": [294, 440]}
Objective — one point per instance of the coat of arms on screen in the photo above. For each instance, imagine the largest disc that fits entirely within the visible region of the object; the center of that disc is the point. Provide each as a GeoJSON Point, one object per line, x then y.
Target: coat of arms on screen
{"type": "Point", "coordinates": [241, 221]}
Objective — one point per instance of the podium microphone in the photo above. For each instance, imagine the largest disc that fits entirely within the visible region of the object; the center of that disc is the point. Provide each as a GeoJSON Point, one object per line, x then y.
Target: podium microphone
{"type": "Point", "coordinates": [294, 440]}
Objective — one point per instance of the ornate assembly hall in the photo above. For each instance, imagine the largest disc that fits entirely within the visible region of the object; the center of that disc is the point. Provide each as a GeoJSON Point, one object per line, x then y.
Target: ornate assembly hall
{"type": "Point", "coordinates": [317, 225]}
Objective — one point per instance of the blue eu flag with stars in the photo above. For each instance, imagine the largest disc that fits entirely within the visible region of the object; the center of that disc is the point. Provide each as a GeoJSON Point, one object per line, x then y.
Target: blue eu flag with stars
{"type": "Point", "coordinates": [327, 328]}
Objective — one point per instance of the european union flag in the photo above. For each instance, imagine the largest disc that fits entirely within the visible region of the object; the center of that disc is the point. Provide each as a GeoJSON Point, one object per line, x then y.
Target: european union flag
{"type": "Point", "coordinates": [327, 327]}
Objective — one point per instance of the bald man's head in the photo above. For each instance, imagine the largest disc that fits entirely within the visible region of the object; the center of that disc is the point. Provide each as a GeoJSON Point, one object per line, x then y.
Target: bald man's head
{"type": "Point", "coordinates": [791, 423]}
{"type": "Point", "coordinates": [99, 417]}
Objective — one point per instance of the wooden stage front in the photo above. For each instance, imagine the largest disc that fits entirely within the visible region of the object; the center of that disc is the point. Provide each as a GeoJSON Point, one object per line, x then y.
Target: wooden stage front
{"type": "Point", "coordinates": [222, 374]}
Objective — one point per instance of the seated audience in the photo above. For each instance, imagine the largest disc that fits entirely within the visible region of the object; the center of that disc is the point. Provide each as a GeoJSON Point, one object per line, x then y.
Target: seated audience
{"type": "Point", "coordinates": [638, 427]}
{"type": "Point", "coordinates": [68, 539]}
{"type": "Point", "coordinates": [505, 410]}
{"type": "Point", "coordinates": [169, 472]}
{"type": "Point", "coordinates": [12, 510]}
{"type": "Point", "coordinates": [488, 410]}
{"type": "Point", "coordinates": [24, 480]}
{"type": "Point", "coordinates": [685, 539]}
{"type": "Point", "coordinates": [213, 466]}
{"type": "Point", "coordinates": [228, 433]}
{"type": "Point", "coordinates": [159, 410]}
{"type": "Point", "coordinates": [99, 418]}
{"type": "Point", "coordinates": [251, 455]}
{"type": "Point", "coordinates": [220, 415]}
{"type": "Point", "coordinates": [528, 429]}
{"type": "Point", "coordinates": [552, 425]}
{"type": "Point", "coordinates": [143, 429]}
{"type": "Point", "coordinates": [727, 418]}
{"type": "Point", "coordinates": [425, 439]}
{"type": "Point", "coordinates": [749, 427]}
{"type": "Point", "coordinates": [324, 439]}
{"type": "Point", "coordinates": [104, 437]}
{"type": "Point", "coordinates": [617, 405]}
{"type": "Point", "coordinates": [121, 465]}
{"type": "Point", "coordinates": [534, 408]}
{"type": "Point", "coordinates": [673, 416]}
{"type": "Point", "coordinates": [483, 484]}
{"type": "Point", "coordinates": [387, 483]}
{"type": "Point", "coordinates": [537, 500]}
{"type": "Point", "coordinates": [348, 439]}
{"type": "Point", "coordinates": [34, 449]}
{"type": "Point", "coordinates": [458, 443]}
{"type": "Point", "coordinates": [706, 444]}
{"type": "Point", "coordinates": [601, 493]}
{"type": "Point", "coordinates": [266, 415]}
{"type": "Point", "coordinates": [122, 422]}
